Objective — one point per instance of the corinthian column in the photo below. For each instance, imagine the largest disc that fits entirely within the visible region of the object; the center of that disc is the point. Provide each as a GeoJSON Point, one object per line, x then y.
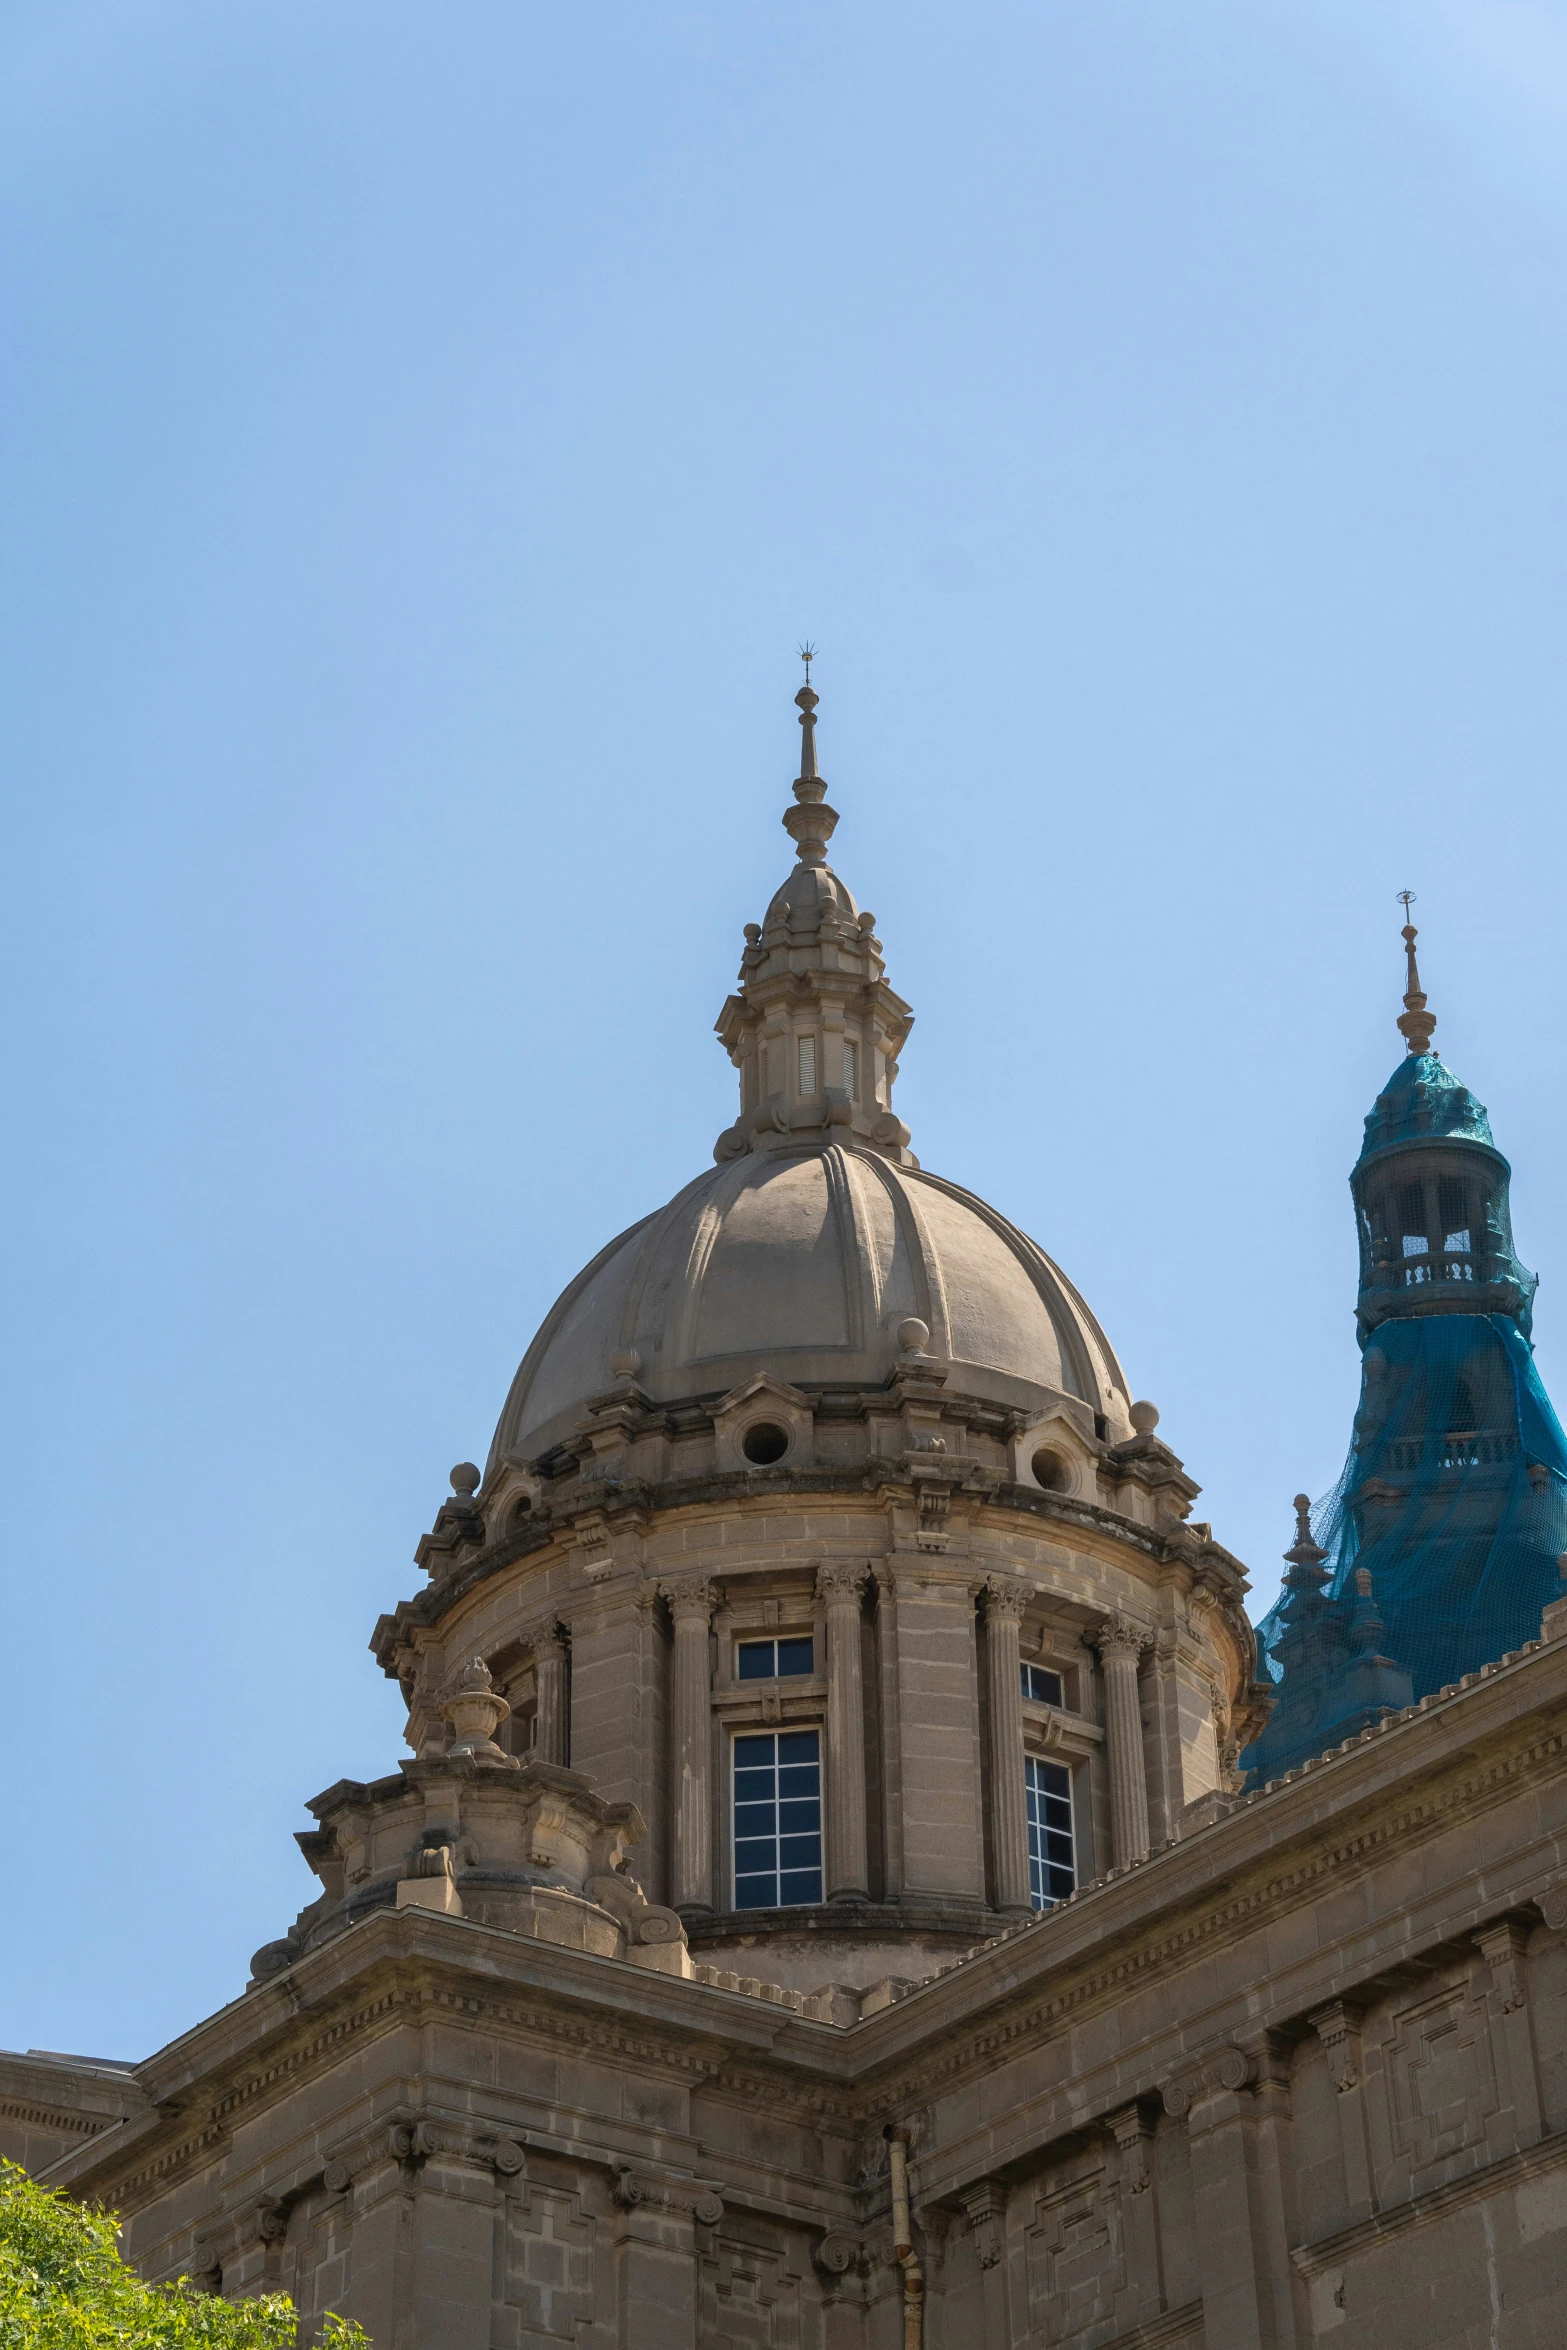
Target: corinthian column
{"type": "Point", "coordinates": [691, 1604]}
{"type": "Point", "coordinates": [848, 1877]}
{"type": "Point", "coordinates": [549, 1671]}
{"type": "Point", "coordinates": [1008, 1817]}
{"type": "Point", "coordinates": [1120, 1644]}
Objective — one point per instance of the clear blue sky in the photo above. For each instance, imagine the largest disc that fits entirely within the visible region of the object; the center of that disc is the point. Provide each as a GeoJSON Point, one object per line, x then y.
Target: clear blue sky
{"type": "Point", "coordinates": [428, 430]}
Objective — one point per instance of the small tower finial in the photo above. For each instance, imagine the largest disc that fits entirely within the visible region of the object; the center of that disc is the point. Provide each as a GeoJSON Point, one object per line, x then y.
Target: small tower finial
{"type": "Point", "coordinates": [1416, 1023]}
{"type": "Point", "coordinates": [811, 821]}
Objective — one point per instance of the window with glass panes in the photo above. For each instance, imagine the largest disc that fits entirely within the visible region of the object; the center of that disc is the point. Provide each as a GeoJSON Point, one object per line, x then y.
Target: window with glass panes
{"type": "Point", "coordinates": [1052, 1859]}
{"type": "Point", "coordinates": [1041, 1684]}
{"type": "Point", "coordinates": [778, 1819]}
{"type": "Point", "coordinates": [774, 1660]}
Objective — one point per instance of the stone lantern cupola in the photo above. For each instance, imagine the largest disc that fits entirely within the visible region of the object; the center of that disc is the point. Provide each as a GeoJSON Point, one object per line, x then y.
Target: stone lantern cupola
{"type": "Point", "coordinates": [813, 1028]}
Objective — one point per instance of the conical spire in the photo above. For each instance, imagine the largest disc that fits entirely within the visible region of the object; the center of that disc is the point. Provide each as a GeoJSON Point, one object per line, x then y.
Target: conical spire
{"type": "Point", "coordinates": [1416, 1025]}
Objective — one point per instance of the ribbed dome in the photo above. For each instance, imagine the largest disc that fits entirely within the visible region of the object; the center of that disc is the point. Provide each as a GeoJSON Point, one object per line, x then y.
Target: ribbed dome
{"type": "Point", "coordinates": [803, 1261]}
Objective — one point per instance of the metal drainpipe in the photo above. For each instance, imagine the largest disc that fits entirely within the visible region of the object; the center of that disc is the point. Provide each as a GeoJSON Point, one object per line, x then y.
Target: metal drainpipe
{"type": "Point", "coordinates": [903, 2250]}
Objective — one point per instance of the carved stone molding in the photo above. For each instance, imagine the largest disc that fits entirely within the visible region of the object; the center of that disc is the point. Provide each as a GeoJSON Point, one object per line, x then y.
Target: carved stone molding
{"type": "Point", "coordinates": [985, 2209]}
{"type": "Point", "coordinates": [1223, 2069]}
{"type": "Point", "coordinates": [417, 2141]}
{"type": "Point", "coordinates": [1553, 1907]}
{"type": "Point", "coordinates": [1502, 1946]}
{"type": "Point", "coordinates": [1132, 2129]}
{"type": "Point", "coordinates": [687, 2197]}
{"type": "Point", "coordinates": [1338, 2028]}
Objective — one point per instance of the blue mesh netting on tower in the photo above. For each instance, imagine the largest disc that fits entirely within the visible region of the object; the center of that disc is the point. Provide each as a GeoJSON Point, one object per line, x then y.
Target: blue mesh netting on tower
{"type": "Point", "coordinates": [1454, 1497]}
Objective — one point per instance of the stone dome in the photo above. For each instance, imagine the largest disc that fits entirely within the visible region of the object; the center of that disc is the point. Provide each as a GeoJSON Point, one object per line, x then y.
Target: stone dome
{"type": "Point", "coordinates": [803, 1262]}
{"type": "Point", "coordinates": [817, 1234]}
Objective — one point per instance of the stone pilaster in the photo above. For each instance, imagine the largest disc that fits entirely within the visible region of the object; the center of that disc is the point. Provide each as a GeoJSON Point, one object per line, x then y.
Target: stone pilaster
{"type": "Point", "coordinates": [1235, 2106]}
{"type": "Point", "coordinates": [691, 1602]}
{"type": "Point", "coordinates": [1133, 2132]}
{"type": "Point", "coordinates": [1004, 1603]}
{"type": "Point", "coordinates": [1120, 1644]}
{"type": "Point", "coordinates": [848, 1876]}
{"type": "Point", "coordinates": [1504, 1948]}
{"type": "Point", "coordinates": [549, 1664]}
{"type": "Point", "coordinates": [891, 1737]}
{"type": "Point", "coordinates": [1337, 2026]}
{"type": "Point", "coordinates": [985, 2209]}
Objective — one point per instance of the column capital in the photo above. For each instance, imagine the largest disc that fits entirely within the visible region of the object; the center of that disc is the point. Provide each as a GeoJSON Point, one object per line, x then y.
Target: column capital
{"type": "Point", "coordinates": [1118, 1636]}
{"type": "Point", "coordinates": [548, 1643]}
{"type": "Point", "coordinates": [1005, 1600]}
{"type": "Point", "coordinates": [688, 1596]}
{"type": "Point", "coordinates": [841, 1585]}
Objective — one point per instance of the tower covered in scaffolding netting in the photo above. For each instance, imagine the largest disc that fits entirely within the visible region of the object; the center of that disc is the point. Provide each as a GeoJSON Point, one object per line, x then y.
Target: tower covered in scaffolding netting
{"type": "Point", "coordinates": [1438, 1547]}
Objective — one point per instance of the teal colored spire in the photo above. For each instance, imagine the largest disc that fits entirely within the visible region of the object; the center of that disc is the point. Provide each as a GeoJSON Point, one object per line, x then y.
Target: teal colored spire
{"type": "Point", "coordinates": [1437, 1549]}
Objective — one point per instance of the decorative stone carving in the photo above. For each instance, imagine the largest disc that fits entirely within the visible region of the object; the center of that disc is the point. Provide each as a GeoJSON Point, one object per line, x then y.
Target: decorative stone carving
{"type": "Point", "coordinates": [1133, 2134]}
{"type": "Point", "coordinates": [835, 2254]}
{"type": "Point", "coordinates": [1502, 1946]}
{"type": "Point", "coordinates": [476, 1710]}
{"type": "Point", "coordinates": [1338, 2028]}
{"type": "Point", "coordinates": [985, 2209]}
{"type": "Point", "coordinates": [413, 2141]}
{"type": "Point", "coordinates": [1229, 2068]}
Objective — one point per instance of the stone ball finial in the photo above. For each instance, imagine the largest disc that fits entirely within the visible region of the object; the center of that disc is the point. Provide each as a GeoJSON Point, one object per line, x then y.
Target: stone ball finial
{"type": "Point", "coordinates": [625, 1362]}
{"type": "Point", "coordinates": [465, 1479]}
{"type": "Point", "coordinates": [867, 922]}
{"type": "Point", "coordinates": [913, 1335]}
{"type": "Point", "coordinates": [1145, 1418]}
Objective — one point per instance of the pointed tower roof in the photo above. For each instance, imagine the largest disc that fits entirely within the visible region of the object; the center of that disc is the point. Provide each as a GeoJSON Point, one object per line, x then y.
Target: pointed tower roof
{"type": "Point", "coordinates": [1422, 1100]}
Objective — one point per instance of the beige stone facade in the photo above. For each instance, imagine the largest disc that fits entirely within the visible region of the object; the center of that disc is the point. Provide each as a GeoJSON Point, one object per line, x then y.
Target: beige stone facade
{"type": "Point", "coordinates": [820, 1909]}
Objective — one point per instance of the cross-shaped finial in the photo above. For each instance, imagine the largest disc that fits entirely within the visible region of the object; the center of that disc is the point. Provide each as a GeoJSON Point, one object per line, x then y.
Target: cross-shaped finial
{"type": "Point", "coordinates": [807, 655]}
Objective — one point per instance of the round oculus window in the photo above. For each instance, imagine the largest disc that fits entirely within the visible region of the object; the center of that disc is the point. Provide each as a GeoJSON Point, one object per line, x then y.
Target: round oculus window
{"type": "Point", "coordinates": [1050, 1471]}
{"type": "Point", "coordinates": [764, 1442]}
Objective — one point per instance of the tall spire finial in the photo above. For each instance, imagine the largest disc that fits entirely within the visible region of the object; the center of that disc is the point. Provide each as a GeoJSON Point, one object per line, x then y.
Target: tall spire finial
{"type": "Point", "coordinates": [812, 822]}
{"type": "Point", "coordinates": [1416, 1024]}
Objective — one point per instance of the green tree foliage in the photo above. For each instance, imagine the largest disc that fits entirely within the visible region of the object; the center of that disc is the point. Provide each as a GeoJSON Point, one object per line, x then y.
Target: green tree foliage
{"type": "Point", "coordinates": [63, 2286]}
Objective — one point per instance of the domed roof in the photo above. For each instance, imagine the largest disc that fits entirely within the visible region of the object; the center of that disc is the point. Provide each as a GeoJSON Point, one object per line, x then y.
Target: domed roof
{"type": "Point", "coordinates": [817, 1233]}
{"type": "Point", "coordinates": [803, 1262]}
